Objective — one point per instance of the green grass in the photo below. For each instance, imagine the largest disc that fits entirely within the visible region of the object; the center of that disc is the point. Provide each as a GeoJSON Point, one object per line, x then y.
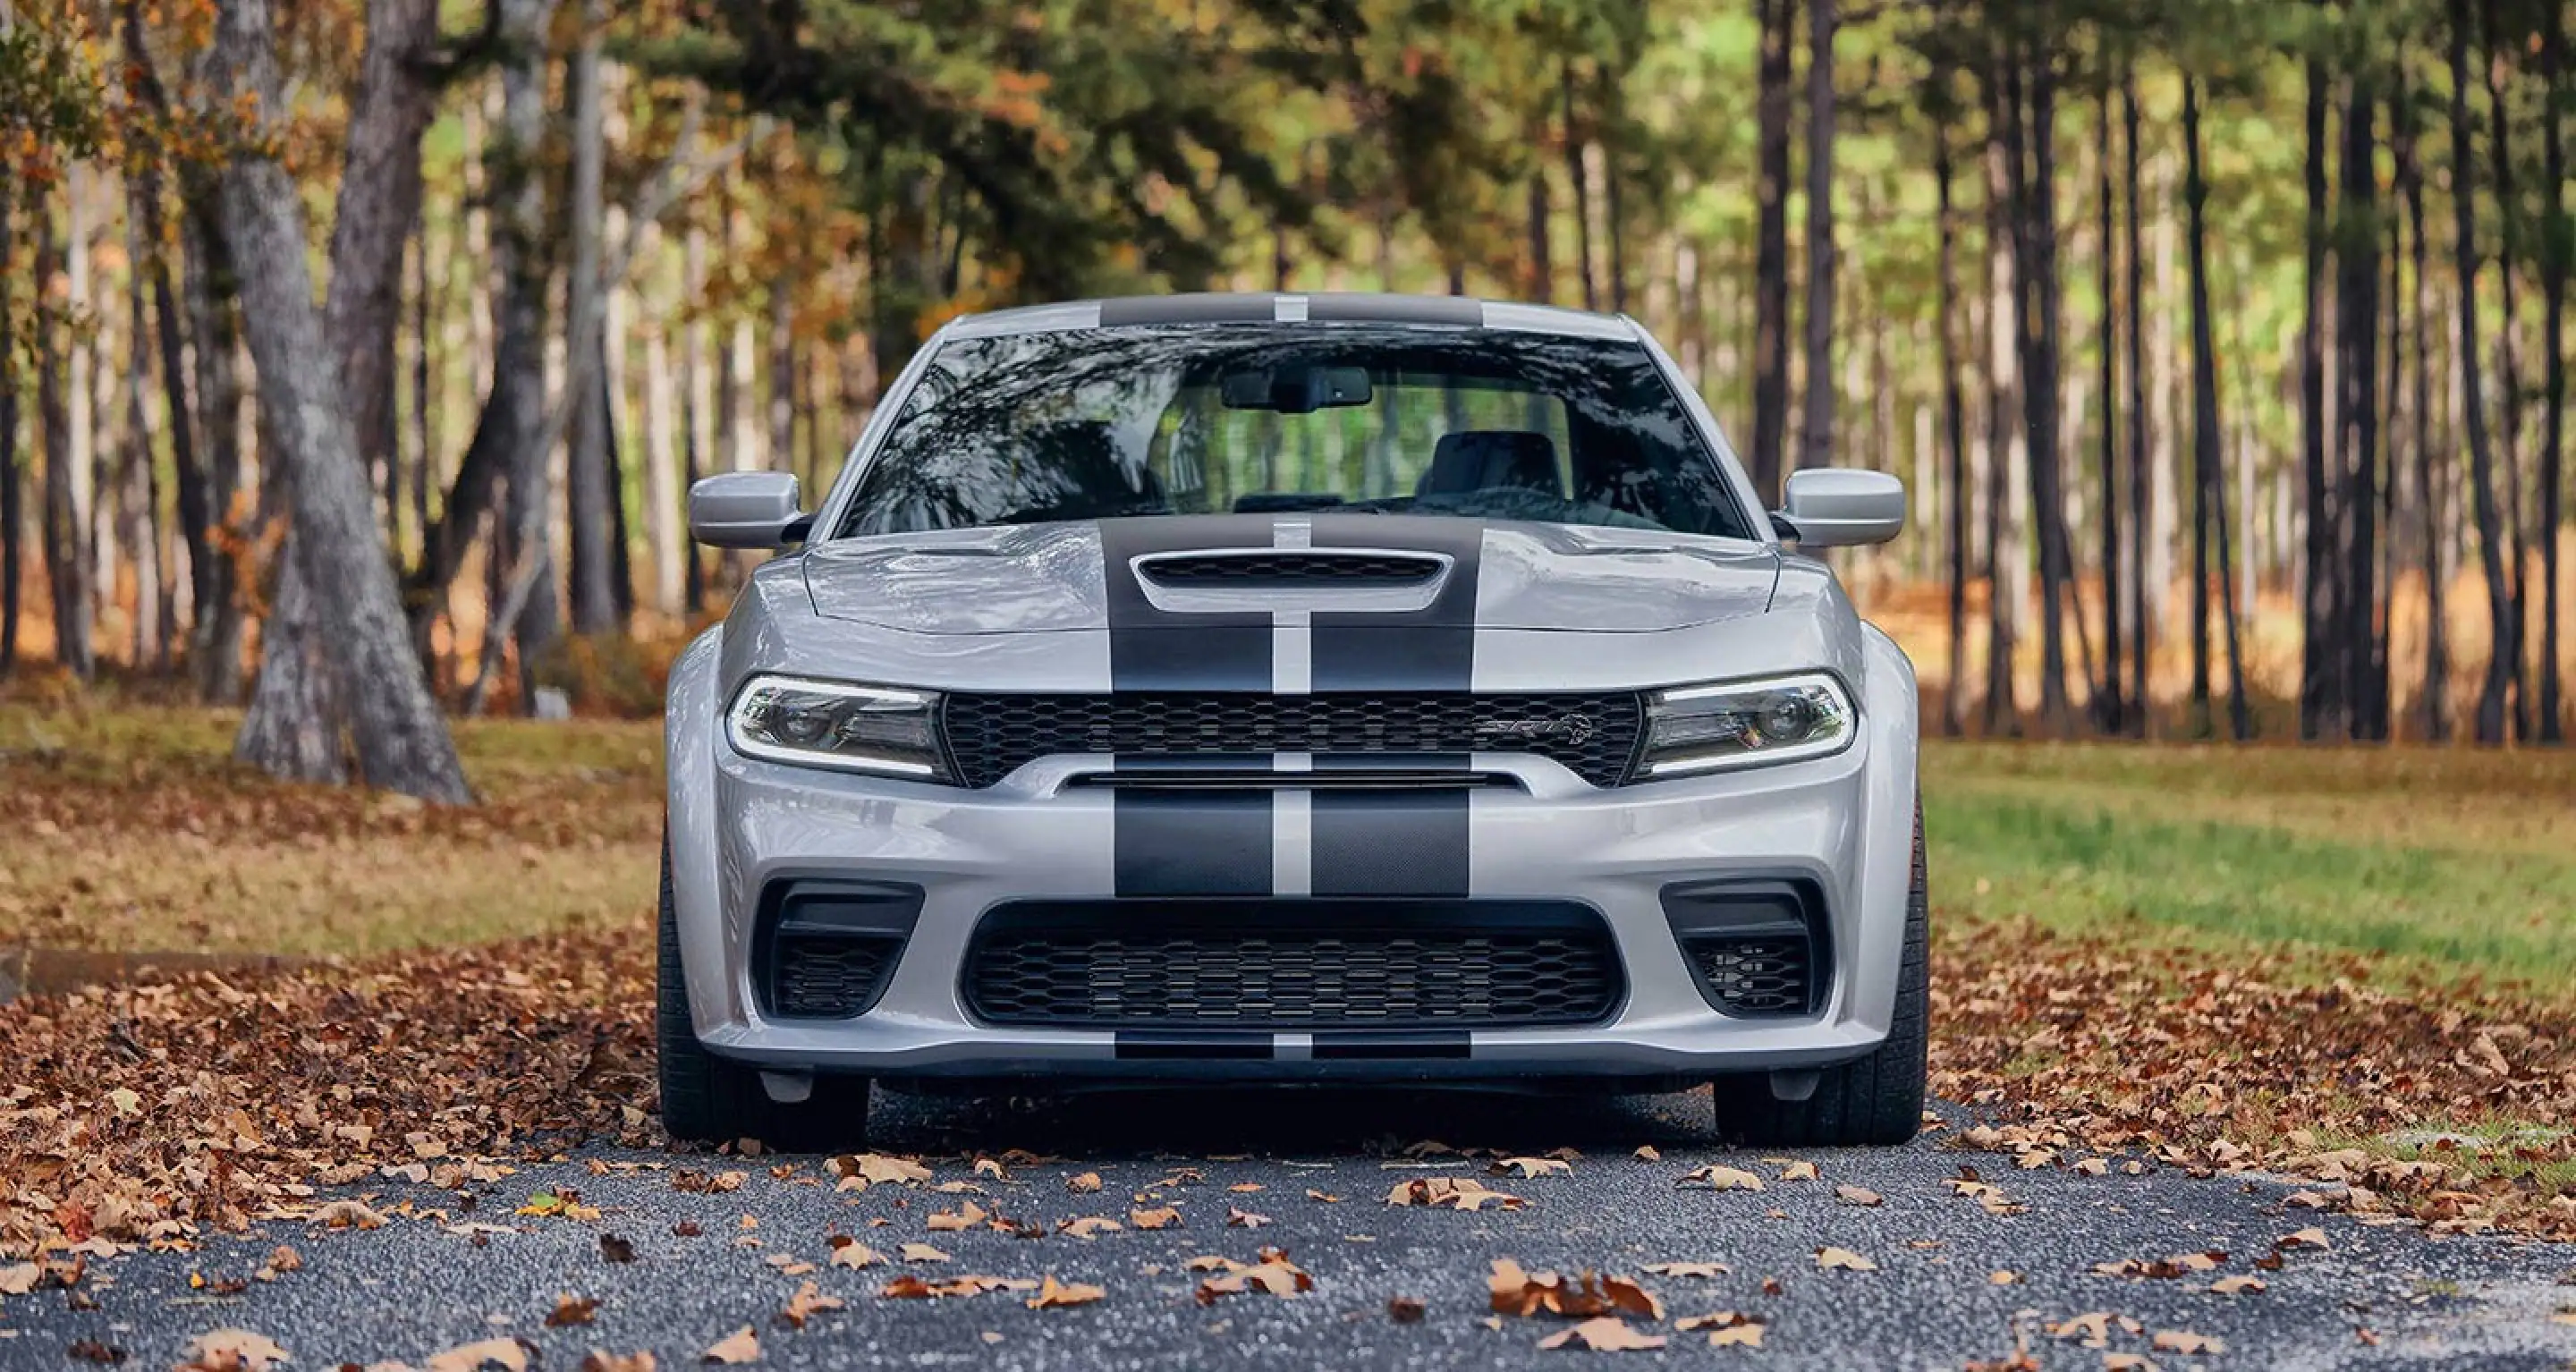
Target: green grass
{"type": "Point", "coordinates": [2447, 865]}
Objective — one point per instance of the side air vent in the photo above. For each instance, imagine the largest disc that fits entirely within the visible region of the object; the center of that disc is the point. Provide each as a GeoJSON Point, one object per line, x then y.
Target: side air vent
{"type": "Point", "coordinates": [1757, 948]}
{"type": "Point", "coordinates": [826, 949]}
{"type": "Point", "coordinates": [1266, 569]}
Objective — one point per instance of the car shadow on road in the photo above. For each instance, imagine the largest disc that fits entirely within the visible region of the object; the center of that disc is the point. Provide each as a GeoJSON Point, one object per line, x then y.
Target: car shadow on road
{"type": "Point", "coordinates": [1217, 1120]}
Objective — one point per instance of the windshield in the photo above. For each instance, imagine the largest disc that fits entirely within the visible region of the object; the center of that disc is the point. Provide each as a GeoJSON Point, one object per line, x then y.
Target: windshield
{"type": "Point", "coordinates": [1215, 419]}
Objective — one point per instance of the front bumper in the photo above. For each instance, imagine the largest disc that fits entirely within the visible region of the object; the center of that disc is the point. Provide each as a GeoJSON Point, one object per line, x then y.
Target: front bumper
{"type": "Point", "coordinates": [1845, 823]}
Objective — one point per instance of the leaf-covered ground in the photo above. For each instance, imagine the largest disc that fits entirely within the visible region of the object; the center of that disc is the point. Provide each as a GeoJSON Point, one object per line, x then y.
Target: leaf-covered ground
{"type": "Point", "coordinates": [2092, 1010]}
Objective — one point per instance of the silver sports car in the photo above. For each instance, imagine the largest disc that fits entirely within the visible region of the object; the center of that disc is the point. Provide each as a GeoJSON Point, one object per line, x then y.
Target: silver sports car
{"type": "Point", "coordinates": [1302, 689]}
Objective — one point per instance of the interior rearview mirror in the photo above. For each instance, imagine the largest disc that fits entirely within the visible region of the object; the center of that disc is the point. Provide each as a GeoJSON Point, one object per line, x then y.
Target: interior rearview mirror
{"type": "Point", "coordinates": [1296, 389]}
{"type": "Point", "coordinates": [1841, 507]}
{"type": "Point", "coordinates": [746, 510]}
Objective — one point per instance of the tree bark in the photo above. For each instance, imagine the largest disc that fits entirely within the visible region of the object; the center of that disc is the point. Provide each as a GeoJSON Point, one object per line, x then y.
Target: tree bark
{"type": "Point", "coordinates": [64, 539]}
{"type": "Point", "coordinates": [1771, 267]}
{"type": "Point", "coordinates": [2113, 713]}
{"type": "Point", "coordinates": [2139, 507]}
{"type": "Point", "coordinates": [1954, 434]}
{"type": "Point", "coordinates": [1816, 427]}
{"type": "Point", "coordinates": [1578, 184]}
{"type": "Point", "coordinates": [2031, 139]}
{"type": "Point", "coordinates": [588, 492]}
{"type": "Point", "coordinates": [379, 200]}
{"type": "Point", "coordinates": [697, 409]}
{"type": "Point", "coordinates": [2319, 683]}
{"type": "Point", "coordinates": [2204, 381]}
{"type": "Point", "coordinates": [2357, 483]}
{"type": "Point", "coordinates": [214, 326]}
{"type": "Point", "coordinates": [2555, 247]}
{"type": "Point", "coordinates": [11, 553]}
{"type": "Point", "coordinates": [522, 550]}
{"type": "Point", "coordinates": [2429, 469]}
{"type": "Point", "coordinates": [2491, 699]}
{"type": "Point", "coordinates": [2006, 456]}
{"type": "Point", "coordinates": [401, 742]}
{"type": "Point", "coordinates": [2509, 354]}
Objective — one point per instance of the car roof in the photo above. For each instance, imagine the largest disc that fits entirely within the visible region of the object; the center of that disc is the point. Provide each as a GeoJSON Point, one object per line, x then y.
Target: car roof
{"type": "Point", "coordinates": [1289, 307]}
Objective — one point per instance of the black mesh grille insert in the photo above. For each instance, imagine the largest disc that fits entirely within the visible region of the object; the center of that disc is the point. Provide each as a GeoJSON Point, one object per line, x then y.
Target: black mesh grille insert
{"type": "Point", "coordinates": [1290, 568]}
{"type": "Point", "coordinates": [1595, 736]}
{"type": "Point", "coordinates": [1754, 976]}
{"type": "Point", "coordinates": [1292, 964]}
{"type": "Point", "coordinates": [829, 977]}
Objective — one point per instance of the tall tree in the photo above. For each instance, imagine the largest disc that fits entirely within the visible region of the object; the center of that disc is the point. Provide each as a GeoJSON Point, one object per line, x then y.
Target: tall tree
{"type": "Point", "coordinates": [66, 542]}
{"type": "Point", "coordinates": [1771, 260]}
{"type": "Point", "coordinates": [2209, 500]}
{"type": "Point", "coordinates": [2558, 242]}
{"type": "Point", "coordinates": [11, 557]}
{"type": "Point", "coordinates": [588, 491]}
{"type": "Point", "coordinates": [2491, 698]}
{"type": "Point", "coordinates": [2140, 513]}
{"type": "Point", "coordinates": [2006, 455]}
{"type": "Point", "coordinates": [1953, 424]}
{"type": "Point", "coordinates": [2112, 714]}
{"type": "Point", "coordinates": [401, 741]}
{"type": "Point", "coordinates": [2404, 140]}
{"type": "Point", "coordinates": [1816, 428]}
{"type": "Point", "coordinates": [2357, 478]}
{"type": "Point", "coordinates": [2318, 622]}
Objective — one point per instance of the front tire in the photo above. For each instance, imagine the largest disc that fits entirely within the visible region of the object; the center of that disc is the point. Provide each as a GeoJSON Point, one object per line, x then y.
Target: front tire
{"type": "Point", "coordinates": [711, 1099]}
{"type": "Point", "coordinates": [1875, 1100]}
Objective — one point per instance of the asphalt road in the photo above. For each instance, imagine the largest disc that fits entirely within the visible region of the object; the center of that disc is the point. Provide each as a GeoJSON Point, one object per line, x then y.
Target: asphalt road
{"type": "Point", "coordinates": [414, 1288]}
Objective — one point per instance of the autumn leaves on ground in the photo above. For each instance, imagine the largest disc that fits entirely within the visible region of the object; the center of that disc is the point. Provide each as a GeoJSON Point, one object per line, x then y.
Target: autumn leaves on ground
{"type": "Point", "coordinates": [2348, 966]}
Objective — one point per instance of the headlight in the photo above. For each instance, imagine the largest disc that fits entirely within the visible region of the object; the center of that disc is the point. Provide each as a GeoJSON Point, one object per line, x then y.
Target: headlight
{"type": "Point", "coordinates": [834, 724]}
{"type": "Point", "coordinates": [1746, 724]}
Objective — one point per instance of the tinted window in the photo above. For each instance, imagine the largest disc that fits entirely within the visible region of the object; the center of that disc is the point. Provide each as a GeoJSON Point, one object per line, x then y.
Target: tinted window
{"type": "Point", "coordinates": [1210, 419]}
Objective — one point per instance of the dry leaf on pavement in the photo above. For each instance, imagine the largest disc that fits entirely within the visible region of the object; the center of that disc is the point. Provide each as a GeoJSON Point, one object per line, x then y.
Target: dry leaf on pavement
{"type": "Point", "coordinates": [1529, 1167]}
{"type": "Point", "coordinates": [951, 1221]}
{"type": "Point", "coordinates": [2185, 1341]}
{"type": "Point", "coordinates": [808, 1302]}
{"type": "Point", "coordinates": [1454, 1193]}
{"type": "Point", "coordinates": [1165, 1217]}
{"type": "Point", "coordinates": [571, 1310]}
{"type": "Point", "coordinates": [740, 1346]}
{"type": "Point", "coordinates": [231, 1350]}
{"type": "Point", "coordinates": [1688, 1269]}
{"type": "Point", "coordinates": [849, 1252]}
{"type": "Point", "coordinates": [510, 1355]}
{"type": "Point", "coordinates": [1054, 1295]}
{"type": "Point", "coordinates": [1082, 1183]}
{"type": "Point", "coordinates": [1830, 1258]}
{"type": "Point", "coordinates": [1857, 1195]}
{"type": "Point", "coordinates": [1088, 1227]}
{"type": "Point", "coordinates": [1716, 1177]}
{"type": "Point", "coordinates": [1604, 1335]}
{"type": "Point", "coordinates": [1239, 1218]}
{"type": "Point", "coordinates": [921, 1252]}
{"type": "Point", "coordinates": [599, 1360]}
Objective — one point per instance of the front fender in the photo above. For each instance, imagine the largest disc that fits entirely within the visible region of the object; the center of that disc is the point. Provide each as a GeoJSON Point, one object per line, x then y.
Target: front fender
{"type": "Point", "coordinates": [691, 732]}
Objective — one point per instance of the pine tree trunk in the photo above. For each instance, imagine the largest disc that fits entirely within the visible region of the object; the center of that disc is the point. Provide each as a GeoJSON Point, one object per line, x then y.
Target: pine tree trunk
{"type": "Point", "coordinates": [1771, 267]}
{"type": "Point", "coordinates": [1816, 426]}
{"type": "Point", "coordinates": [2005, 440]}
{"type": "Point", "coordinates": [11, 553]}
{"type": "Point", "coordinates": [401, 741]}
{"type": "Point", "coordinates": [2204, 385]}
{"type": "Point", "coordinates": [214, 327]}
{"type": "Point", "coordinates": [2553, 287]}
{"type": "Point", "coordinates": [1954, 436]}
{"type": "Point", "coordinates": [2508, 430]}
{"type": "Point", "coordinates": [697, 411]}
{"type": "Point", "coordinates": [2140, 527]}
{"type": "Point", "coordinates": [65, 542]}
{"type": "Point", "coordinates": [2404, 139]}
{"type": "Point", "coordinates": [2491, 699]}
{"type": "Point", "coordinates": [1578, 183]}
{"type": "Point", "coordinates": [2357, 482]}
{"type": "Point", "coordinates": [2114, 712]}
{"type": "Point", "coordinates": [2031, 138]}
{"type": "Point", "coordinates": [522, 551]}
{"type": "Point", "coordinates": [587, 490]}
{"type": "Point", "coordinates": [2318, 681]}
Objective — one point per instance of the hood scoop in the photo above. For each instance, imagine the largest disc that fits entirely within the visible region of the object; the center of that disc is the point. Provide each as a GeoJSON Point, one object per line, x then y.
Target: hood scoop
{"type": "Point", "coordinates": [1259, 569]}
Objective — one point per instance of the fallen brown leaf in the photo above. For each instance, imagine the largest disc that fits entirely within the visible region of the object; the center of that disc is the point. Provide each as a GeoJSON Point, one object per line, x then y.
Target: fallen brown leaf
{"type": "Point", "coordinates": [510, 1355]}
{"type": "Point", "coordinates": [1082, 1183]}
{"type": "Point", "coordinates": [1164, 1217]}
{"type": "Point", "coordinates": [571, 1310]}
{"type": "Point", "coordinates": [1054, 1295]}
{"type": "Point", "coordinates": [808, 1302]}
{"type": "Point", "coordinates": [740, 1346]}
{"type": "Point", "coordinates": [231, 1350]}
{"type": "Point", "coordinates": [1831, 1258]}
{"type": "Point", "coordinates": [1857, 1195]}
{"type": "Point", "coordinates": [1604, 1335]}
{"type": "Point", "coordinates": [1716, 1177]}
{"type": "Point", "coordinates": [921, 1252]}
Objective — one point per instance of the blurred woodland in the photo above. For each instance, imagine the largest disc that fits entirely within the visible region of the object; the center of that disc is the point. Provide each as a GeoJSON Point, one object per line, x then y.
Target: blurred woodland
{"type": "Point", "coordinates": [357, 353]}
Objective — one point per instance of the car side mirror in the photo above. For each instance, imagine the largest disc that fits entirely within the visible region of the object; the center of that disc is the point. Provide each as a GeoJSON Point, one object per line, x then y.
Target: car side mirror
{"type": "Point", "coordinates": [747, 510]}
{"type": "Point", "coordinates": [1841, 507]}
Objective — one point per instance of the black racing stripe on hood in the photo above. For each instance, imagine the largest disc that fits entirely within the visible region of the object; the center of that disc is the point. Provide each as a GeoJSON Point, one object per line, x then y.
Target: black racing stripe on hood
{"type": "Point", "coordinates": [1431, 649]}
{"type": "Point", "coordinates": [1153, 650]}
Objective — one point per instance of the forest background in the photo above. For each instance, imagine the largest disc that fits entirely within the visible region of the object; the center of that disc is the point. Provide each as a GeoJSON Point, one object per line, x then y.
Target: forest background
{"type": "Point", "coordinates": [358, 354]}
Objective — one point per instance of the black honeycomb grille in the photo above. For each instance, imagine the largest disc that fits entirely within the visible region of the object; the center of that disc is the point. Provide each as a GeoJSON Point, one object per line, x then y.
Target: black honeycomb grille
{"type": "Point", "coordinates": [826, 977]}
{"type": "Point", "coordinates": [1594, 736]}
{"type": "Point", "coordinates": [1292, 965]}
{"type": "Point", "coordinates": [1755, 975]}
{"type": "Point", "coordinates": [1291, 569]}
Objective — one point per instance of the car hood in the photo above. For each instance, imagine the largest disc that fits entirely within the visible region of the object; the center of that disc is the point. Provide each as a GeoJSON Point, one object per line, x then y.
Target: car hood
{"type": "Point", "coordinates": [1495, 575]}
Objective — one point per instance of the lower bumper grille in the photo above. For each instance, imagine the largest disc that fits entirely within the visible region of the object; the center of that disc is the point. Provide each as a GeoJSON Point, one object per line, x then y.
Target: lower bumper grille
{"type": "Point", "coordinates": [1292, 965]}
{"type": "Point", "coordinates": [827, 949]}
{"type": "Point", "coordinates": [1757, 948]}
